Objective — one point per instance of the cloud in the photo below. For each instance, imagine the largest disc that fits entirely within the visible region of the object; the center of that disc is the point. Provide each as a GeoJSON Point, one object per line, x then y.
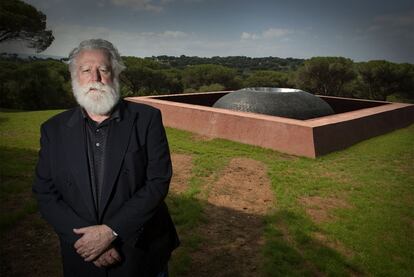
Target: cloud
{"type": "Point", "coordinates": [163, 35]}
{"type": "Point", "coordinates": [145, 5]}
{"type": "Point", "coordinates": [167, 42]}
{"type": "Point", "coordinates": [401, 20]}
{"type": "Point", "coordinates": [275, 33]}
{"type": "Point", "coordinates": [246, 36]}
{"type": "Point", "coordinates": [388, 36]}
{"type": "Point", "coordinates": [392, 24]}
{"type": "Point", "coordinates": [68, 37]}
{"type": "Point", "coordinates": [268, 34]}
{"type": "Point", "coordinates": [148, 5]}
{"type": "Point", "coordinates": [174, 34]}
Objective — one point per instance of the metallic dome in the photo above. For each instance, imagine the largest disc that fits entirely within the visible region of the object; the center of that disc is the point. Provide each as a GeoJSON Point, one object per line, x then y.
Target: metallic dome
{"type": "Point", "coordinates": [284, 102]}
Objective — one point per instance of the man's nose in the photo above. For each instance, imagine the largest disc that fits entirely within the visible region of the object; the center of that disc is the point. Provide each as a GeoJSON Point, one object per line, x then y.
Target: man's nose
{"type": "Point", "coordinates": [96, 76]}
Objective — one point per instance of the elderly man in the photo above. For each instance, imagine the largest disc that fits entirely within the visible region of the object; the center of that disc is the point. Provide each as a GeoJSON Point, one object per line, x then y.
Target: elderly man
{"type": "Point", "coordinates": [103, 172]}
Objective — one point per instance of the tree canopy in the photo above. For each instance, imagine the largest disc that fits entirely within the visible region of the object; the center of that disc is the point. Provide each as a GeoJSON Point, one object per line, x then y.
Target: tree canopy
{"type": "Point", "coordinates": [326, 75]}
{"type": "Point", "coordinates": [379, 79]}
{"type": "Point", "coordinates": [21, 21]}
{"type": "Point", "coordinates": [268, 78]}
{"type": "Point", "coordinates": [145, 77]}
{"type": "Point", "coordinates": [196, 76]}
{"type": "Point", "coordinates": [240, 63]}
{"type": "Point", "coordinates": [34, 83]}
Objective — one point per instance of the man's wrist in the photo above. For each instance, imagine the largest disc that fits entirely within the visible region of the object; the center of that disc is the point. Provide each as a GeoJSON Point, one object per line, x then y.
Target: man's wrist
{"type": "Point", "coordinates": [113, 234]}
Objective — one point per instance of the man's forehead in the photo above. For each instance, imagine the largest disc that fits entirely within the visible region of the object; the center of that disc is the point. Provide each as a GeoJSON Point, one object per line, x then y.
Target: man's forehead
{"type": "Point", "coordinates": [93, 56]}
{"type": "Point", "coordinates": [89, 64]}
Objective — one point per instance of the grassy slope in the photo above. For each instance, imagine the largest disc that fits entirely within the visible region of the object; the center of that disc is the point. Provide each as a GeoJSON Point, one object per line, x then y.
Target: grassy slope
{"type": "Point", "coordinates": [19, 143]}
{"type": "Point", "coordinates": [376, 178]}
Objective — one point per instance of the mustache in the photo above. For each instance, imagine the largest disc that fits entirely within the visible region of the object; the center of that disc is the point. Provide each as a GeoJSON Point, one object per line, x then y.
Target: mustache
{"type": "Point", "coordinates": [96, 86]}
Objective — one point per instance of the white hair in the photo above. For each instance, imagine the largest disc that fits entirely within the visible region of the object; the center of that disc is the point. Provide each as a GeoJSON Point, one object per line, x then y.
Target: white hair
{"type": "Point", "coordinates": [101, 44]}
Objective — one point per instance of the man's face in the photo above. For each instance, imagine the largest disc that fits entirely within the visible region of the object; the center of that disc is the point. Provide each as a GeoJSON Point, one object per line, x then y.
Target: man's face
{"type": "Point", "coordinates": [94, 66]}
{"type": "Point", "coordinates": [95, 86]}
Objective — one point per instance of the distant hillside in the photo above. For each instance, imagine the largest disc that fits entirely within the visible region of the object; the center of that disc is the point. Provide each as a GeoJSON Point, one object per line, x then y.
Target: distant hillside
{"type": "Point", "coordinates": [242, 63]}
{"type": "Point", "coordinates": [22, 56]}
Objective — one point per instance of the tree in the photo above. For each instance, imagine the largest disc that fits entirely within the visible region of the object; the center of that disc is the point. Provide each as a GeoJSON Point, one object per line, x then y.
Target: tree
{"type": "Point", "coordinates": [145, 77]}
{"type": "Point", "coordinates": [7, 73]}
{"type": "Point", "coordinates": [240, 63]}
{"type": "Point", "coordinates": [267, 78]}
{"type": "Point", "coordinates": [326, 75]}
{"type": "Point", "coordinates": [34, 85]}
{"type": "Point", "coordinates": [405, 90]}
{"type": "Point", "coordinates": [21, 21]}
{"type": "Point", "coordinates": [207, 74]}
{"type": "Point", "coordinates": [379, 79]}
{"type": "Point", "coordinates": [212, 87]}
{"type": "Point", "coordinates": [174, 84]}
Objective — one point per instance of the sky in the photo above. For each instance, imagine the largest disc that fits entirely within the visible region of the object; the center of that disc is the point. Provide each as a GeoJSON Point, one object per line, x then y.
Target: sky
{"type": "Point", "coordinates": [359, 30]}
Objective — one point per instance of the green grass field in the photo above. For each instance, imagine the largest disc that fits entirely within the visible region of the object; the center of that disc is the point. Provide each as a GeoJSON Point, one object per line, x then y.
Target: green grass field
{"type": "Point", "coordinates": [366, 192]}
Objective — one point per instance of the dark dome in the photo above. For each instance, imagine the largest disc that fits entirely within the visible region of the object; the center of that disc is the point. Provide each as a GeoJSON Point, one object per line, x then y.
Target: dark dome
{"type": "Point", "coordinates": [284, 102]}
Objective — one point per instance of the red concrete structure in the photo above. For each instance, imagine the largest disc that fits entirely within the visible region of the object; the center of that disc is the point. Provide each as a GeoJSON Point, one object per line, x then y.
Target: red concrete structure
{"type": "Point", "coordinates": [355, 120]}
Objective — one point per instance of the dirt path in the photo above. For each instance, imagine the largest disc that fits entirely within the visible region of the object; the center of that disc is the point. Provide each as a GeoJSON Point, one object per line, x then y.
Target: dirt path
{"type": "Point", "coordinates": [182, 165]}
{"type": "Point", "coordinates": [232, 233]}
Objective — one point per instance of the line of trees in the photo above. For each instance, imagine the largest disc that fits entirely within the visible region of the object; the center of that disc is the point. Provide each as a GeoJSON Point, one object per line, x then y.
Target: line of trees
{"type": "Point", "coordinates": [45, 84]}
{"type": "Point", "coordinates": [241, 63]}
{"type": "Point", "coordinates": [338, 76]}
{"type": "Point", "coordinates": [34, 85]}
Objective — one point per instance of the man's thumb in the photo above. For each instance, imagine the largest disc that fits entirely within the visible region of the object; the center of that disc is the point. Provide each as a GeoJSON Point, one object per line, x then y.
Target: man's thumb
{"type": "Point", "coordinates": [78, 231]}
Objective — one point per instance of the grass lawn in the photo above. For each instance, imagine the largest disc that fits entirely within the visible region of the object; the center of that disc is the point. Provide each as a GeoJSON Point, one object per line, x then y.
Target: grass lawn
{"type": "Point", "coordinates": [347, 213]}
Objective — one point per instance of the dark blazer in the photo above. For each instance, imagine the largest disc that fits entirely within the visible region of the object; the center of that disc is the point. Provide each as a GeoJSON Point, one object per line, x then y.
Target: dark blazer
{"type": "Point", "coordinates": [136, 181]}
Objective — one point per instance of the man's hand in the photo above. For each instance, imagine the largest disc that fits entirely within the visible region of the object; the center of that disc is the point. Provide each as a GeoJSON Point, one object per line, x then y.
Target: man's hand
{"type": "Point", "coordinates": [95, 240]}
{"type": "Point", "coordinates": [109, 257]}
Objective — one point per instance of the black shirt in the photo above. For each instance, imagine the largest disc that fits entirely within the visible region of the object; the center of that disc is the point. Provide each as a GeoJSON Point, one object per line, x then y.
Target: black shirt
{"type": "Point", "coordinates": [96, 137]}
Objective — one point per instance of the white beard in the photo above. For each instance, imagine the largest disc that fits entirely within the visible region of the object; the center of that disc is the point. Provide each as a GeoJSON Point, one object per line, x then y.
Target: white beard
{"type": "Point", "coordinates": [99, 101]}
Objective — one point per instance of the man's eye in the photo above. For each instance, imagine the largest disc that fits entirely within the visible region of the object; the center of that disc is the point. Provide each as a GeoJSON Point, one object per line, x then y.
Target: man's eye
{"type": "Point", "coordinates": [86, 70]}
{"type": "Point", "coordinates": [103, 70]}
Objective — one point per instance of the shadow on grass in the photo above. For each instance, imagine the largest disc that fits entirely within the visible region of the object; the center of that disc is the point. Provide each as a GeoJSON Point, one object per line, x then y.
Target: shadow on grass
{"type": "Point", "coordinates": [25, 243]}
{"type": "Point", "coordinates": [216, 241]}
{"type": "Point", "coordinates": [223, 243]}
{"type": "Point", "coordinates": [30, 248]}
{"type": "Point", "coordinates": [226, 251]}
{"type": "Point", "coordinates": [6, 110]}
{"type": "Point", "coordinates": [292, 251]}
{"type": "Point", "coordinates": [3, 119]}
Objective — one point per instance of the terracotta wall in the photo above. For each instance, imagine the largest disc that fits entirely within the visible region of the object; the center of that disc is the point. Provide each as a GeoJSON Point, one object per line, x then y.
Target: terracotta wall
{"type": "Point", "coordinates": [356, 126]}
{"type": "Point", "coordinates": [310, 138]}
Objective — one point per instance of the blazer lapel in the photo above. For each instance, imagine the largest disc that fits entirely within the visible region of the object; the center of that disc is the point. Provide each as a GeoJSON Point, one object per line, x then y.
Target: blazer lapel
{"type": "Point", "coordinates": [116, 146]}
{"type": "Point", "coordinates": [76, 152]}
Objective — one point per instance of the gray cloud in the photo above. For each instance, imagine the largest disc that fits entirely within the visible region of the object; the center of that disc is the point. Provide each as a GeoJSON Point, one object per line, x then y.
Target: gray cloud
{"type": "Point", "coordinates": [270, 33]}
{"type": "Point", "coordinates": [146, 5]}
